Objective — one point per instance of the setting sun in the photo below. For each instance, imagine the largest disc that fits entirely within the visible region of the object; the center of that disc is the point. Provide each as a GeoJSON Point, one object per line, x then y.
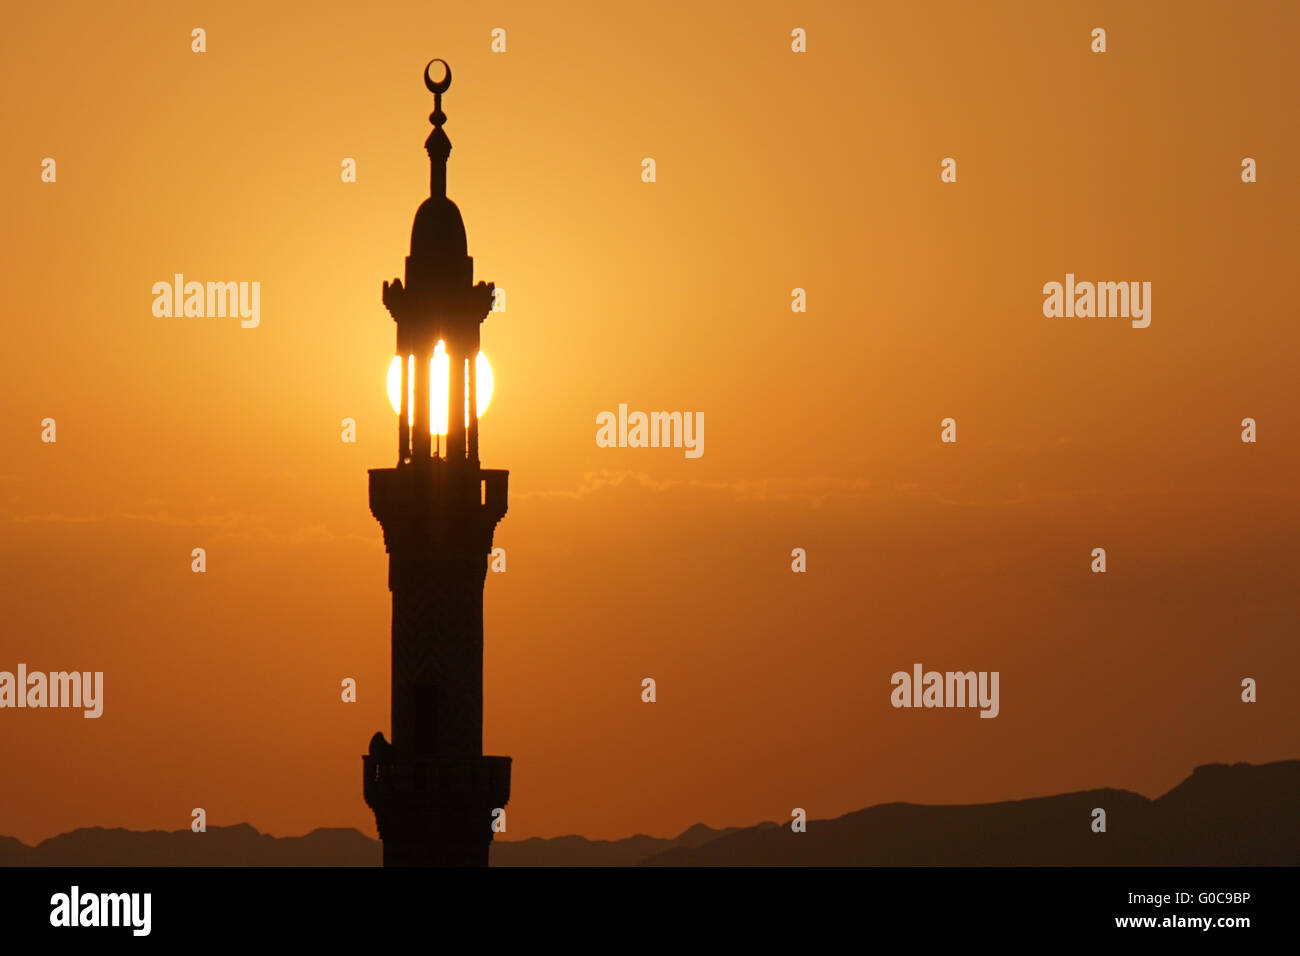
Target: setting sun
{"type": "Point", "coordinates": [439, 382]}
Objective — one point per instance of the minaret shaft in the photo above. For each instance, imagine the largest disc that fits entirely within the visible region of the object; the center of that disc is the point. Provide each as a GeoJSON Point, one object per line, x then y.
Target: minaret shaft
{"type": "Point", "coordinates": [434, 793]}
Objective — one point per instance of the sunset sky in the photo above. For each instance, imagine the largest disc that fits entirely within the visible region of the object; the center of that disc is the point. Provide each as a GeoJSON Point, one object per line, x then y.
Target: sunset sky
{"type": "Point", "coordinates": [775, 170]}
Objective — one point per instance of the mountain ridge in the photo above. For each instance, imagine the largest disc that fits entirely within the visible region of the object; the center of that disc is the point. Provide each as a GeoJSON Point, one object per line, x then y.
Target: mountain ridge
{"type": "Point", "coordinates": [1221, 815]}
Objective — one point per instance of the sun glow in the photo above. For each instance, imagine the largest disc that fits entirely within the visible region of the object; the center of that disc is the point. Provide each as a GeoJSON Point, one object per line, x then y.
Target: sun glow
{"type": "Point", "coordinates": [439, 387]}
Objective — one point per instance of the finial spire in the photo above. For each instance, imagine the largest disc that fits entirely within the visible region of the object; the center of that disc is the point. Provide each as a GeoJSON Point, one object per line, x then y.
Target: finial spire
{"type": "Point", "coordinates": [437, 145]}
{"type": "Point", "coordinates": [437, 117]}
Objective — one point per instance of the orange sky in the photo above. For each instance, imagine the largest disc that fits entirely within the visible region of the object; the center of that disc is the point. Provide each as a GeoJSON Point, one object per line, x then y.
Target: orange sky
{"type": "Point", "coordinates": [775, 171]}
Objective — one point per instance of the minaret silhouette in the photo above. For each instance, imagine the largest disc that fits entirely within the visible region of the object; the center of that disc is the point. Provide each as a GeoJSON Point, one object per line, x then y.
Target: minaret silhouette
{"type": "Point", "coordinates": [432, 790]}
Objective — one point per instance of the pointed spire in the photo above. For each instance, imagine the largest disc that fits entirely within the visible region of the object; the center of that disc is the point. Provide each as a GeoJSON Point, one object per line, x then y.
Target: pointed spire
{"type": "Point", "coordinates": [437, 145]}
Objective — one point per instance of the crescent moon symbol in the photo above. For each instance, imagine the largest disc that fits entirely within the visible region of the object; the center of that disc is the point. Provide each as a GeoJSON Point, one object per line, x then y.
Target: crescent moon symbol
{"type": "Point", "coordinates": [441, 85]}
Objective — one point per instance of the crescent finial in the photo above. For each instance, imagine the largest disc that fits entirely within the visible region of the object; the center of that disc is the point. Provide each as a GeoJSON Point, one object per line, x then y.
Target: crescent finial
{"type": "Point", "coordinates": [440, 86]}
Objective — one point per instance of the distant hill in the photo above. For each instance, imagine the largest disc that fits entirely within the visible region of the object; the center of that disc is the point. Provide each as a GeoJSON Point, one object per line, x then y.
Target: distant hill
{"type": "Point", "coordinates": [579, 851]}
{"type": "Point", "coordinates": [239, 845]}
{"type": "Point", "coordinates": [1239, 815]}
{"type": "Point", "coordinates": [242, 845]}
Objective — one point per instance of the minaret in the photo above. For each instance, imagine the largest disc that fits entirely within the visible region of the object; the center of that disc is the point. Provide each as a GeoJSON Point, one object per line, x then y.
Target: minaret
{"type": "Point", "coordinates": [432, 790]}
